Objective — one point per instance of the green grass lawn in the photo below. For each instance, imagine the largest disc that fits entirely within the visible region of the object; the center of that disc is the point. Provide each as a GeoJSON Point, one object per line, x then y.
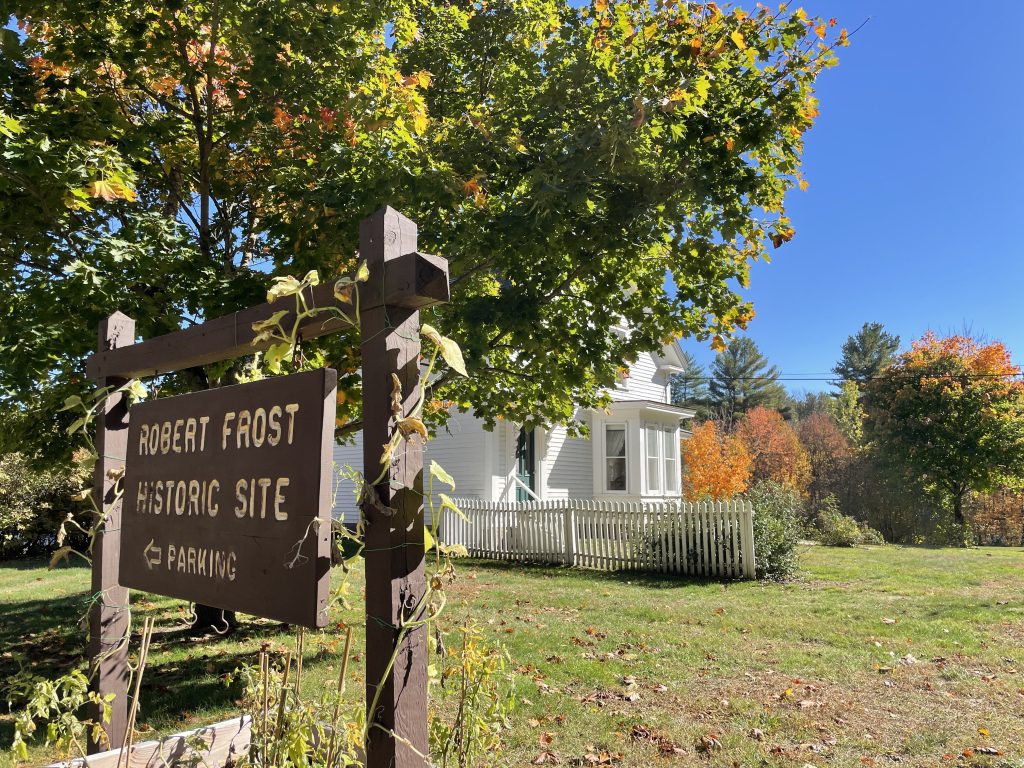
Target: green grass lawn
{"type": "Point", "coordinates": [877, 656]}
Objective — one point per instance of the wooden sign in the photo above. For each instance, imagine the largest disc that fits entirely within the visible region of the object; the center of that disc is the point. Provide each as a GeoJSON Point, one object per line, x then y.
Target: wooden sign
{"type": "Point", "coordinates": [228, 495]}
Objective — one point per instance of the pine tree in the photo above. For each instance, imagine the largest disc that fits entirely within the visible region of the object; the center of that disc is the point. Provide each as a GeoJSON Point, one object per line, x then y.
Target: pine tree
{"type": "Point", "coordinates": [742, 379]}
{"type": "Point", "coordinates": [866, 354]}
{"type": "Point", "coordinates": [690, 388]}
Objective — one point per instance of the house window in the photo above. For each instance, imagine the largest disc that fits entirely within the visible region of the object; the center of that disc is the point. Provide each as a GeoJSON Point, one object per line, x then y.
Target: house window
{"type": "Point", "coordinates": [671, 460]}
{"type": "Point", "coordinates": [662, 460]}
{"type": "Point", "coordinates": [654, 459]}
{"type": "Point", "coordinates": [615, 457]}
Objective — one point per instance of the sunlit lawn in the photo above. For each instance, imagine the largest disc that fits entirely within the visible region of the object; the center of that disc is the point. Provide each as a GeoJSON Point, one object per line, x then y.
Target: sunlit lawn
{"type": "Point", "coordinates": [877, 656]}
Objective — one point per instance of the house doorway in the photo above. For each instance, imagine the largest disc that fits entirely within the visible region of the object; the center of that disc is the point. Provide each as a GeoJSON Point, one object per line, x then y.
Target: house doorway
{"type": "Point", "coordinates": [526, 466]}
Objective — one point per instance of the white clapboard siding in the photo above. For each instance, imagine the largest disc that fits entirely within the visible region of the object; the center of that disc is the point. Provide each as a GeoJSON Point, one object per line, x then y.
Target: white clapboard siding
{"type": "Point", "coordinates": [714, 539]}
{"type": "Point", "coordinates": [645, 381]}
{"type": "Point", "coordinates": [212, 746]}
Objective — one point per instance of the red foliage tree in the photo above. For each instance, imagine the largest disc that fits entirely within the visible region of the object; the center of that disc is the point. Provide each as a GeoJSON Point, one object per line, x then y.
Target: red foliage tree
{"type": "Point", "coordinates": [828, 453]}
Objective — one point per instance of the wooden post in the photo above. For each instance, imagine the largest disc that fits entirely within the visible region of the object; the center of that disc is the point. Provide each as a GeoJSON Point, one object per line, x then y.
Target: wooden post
{"type": "Point", "coordinates": [394, 532]}
{"type": "Point", "coordinates": [108, 615]}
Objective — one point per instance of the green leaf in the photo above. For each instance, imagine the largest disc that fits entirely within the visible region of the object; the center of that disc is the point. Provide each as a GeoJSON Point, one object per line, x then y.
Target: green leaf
{"type": "Point", "coordinates": [428, 540]}
{"type": "Point", "coordinates": [449, 349]}
{"type": "Point", "coordinates": [72, 402]}
{"type": "Point", "coordinates": [276, 354]}
{"type": "Point", "coordinates": [439, 473]}
{"type": "Point", "coordinates": [447, 503]}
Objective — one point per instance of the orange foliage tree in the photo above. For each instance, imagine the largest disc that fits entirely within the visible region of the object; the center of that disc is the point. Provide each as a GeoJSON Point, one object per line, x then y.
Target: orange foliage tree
{"type": "Point", "coordinates": [716, 465]}
{"type": "Point", "coordinates": [775, 450]}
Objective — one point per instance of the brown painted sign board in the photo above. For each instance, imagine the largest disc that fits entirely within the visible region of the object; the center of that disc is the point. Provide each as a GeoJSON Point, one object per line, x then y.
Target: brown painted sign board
{"type": "Point", "coordinates": [228, 495]}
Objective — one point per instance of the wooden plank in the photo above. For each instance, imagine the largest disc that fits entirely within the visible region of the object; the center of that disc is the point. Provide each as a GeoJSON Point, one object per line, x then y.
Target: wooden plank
{"type": "Point", "coordinates": [225, 743]}
{"type": "Point", "coordinates": [410, 281]}
{"type": "Point", "coordinates": [109, 613]}
{"type": "Point", "coordinates": [237, 516]}
{"type": "Point", "coordinates": [395, 582]}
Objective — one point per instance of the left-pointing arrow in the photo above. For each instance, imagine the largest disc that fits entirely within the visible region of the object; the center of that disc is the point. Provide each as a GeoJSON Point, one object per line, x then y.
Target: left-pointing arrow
{"type": "Point", "coordinates": [153, 554]}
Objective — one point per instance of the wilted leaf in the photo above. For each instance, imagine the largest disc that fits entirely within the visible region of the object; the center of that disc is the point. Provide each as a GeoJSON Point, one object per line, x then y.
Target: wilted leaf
{"type": "Point", "coordinates": [283, 286]}
{"type": "Point", "coordinates": [59, 555]}
{"type": "Point", "coordinates": [411, 425]}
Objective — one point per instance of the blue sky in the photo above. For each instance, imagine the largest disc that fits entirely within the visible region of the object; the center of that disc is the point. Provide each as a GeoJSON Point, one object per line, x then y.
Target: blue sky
{"type": "Point", "coordinates": [913, 217]}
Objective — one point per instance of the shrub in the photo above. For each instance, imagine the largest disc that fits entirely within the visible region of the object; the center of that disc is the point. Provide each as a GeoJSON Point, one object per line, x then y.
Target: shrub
{"type": "Point", "coordinates": [838, 530]}
{"type": "Point", "coordinates": [834, 529]}
{"type": "Point", "coordinates": [869, 535]}
{"type": "Point", "coordinates": [32, 505]}
{"type": "Point", "coordinates": [777, 512]}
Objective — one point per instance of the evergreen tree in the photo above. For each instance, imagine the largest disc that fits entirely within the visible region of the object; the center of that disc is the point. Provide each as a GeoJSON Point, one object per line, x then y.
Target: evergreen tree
{"type": "Point", "coordinates": [690, 388]}
{"type": "Point", "coordinates": [742, 379]}
{"type": "Point", "coordinates": [866, 354]}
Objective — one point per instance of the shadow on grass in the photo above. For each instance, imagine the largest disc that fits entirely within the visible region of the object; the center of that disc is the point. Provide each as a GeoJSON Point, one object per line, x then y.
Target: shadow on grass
{"type": "Point", "coordinates": [650, 579]}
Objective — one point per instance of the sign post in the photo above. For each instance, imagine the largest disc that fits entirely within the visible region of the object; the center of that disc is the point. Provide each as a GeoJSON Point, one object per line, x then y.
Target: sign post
{"type": "Point", "coordinates": [180, 547]}
{"type": "Point", "coordinates": [108, 614]}
{"type": "Point", "coordinates": [394, 554]}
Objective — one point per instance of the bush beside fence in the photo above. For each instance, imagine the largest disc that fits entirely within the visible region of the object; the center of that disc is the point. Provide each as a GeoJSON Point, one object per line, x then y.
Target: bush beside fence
{"type": "Point", "coordinates": [702, 538]}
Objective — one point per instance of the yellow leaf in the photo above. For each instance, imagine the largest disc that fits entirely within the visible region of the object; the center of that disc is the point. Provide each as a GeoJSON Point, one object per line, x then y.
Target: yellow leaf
{"type": "Point", "coordinates": [111, 190]}
{"type": "Point", "coordinates": [428, 540]}
{"type": "Point", "coordinates": [983, 731]}
{"type": "Point", "coordinates": [804, 184]}
{"type": "Point", "coordinates": [820, 31]}
{"type": "Point", "coordinates": [737, 37]}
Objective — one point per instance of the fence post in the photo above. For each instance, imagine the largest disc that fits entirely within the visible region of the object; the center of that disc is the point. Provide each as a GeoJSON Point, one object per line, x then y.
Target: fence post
{"type": "Point", "coordinates": [108, 615]}
{"type": "Point", "coordinates": [395, 584]}
{"type": "Point", "coordinates": [749, 569]}
{"type": "Point", "coordinates": [569, 532]}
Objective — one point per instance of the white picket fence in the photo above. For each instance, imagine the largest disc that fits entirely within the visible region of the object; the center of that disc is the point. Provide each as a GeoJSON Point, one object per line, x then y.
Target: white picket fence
{"type": "Point", "coordinates": [702, 538]}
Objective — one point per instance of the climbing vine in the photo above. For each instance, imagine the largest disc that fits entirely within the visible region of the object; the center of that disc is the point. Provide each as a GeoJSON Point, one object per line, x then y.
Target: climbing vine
{"type": "Point", "coordinates": [290, 729]}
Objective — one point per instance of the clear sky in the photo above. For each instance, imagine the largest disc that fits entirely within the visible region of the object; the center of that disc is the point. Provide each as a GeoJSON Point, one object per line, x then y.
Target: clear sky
{"type": "Point", "coordinates": [913, 217]}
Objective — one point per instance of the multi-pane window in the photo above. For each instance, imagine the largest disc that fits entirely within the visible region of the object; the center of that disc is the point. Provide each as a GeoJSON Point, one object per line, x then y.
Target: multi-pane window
{"type": "Point", "coordinates": [672, 473]}
{"type": "Point", "coordinates": [615, 457]}
{"type": "Point", "coordinates": [654, 459]}
{"type": "Point", "coordinates": [662, 460]}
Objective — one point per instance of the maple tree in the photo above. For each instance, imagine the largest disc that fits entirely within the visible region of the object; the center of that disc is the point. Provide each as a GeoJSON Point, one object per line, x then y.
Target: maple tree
{"type": "Point", "coordinates": [828, 454]}
{"type": "Point", "coordinates": [775, 450]}
{"type": "Point", "coordinates": [716, 465]}
{"type": "Point", "coordinates": [950, 411]}
{"type": "Point", "coordinates": [161, 159]}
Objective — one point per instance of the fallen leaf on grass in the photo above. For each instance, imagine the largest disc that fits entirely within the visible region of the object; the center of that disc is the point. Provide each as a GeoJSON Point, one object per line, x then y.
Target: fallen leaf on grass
{"type": "Point", "coordinates": [709, 743]}
{"type": "Point", "coordinates": [546, 757]}
{"type": "Point", "coordinates": [887, 620]}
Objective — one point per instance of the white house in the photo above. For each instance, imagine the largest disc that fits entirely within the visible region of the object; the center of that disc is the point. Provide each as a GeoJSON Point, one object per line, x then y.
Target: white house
{"type": "Point", "coordinates": [632, 453]}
